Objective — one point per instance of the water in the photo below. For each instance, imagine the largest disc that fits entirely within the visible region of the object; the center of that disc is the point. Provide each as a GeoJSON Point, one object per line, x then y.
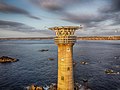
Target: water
{"type": "Point", "coordinates": [34, 67]}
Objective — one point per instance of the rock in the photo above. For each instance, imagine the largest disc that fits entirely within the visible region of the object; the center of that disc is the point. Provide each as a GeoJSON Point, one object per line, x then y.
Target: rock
{"type": "Point", "coordinates": [51, 59]}
{"type": "Point", "coordinates": [6, 59]}
{"type": "Point", "coordinates": [110, 71]}
{"type": "Point", "coordinates": [83, 62]}
{"type": "Point", "coordinates": [43, 50]}
{"type": "Point", "coordinates": [74, 64]}
{"type": "Point", "coordinates": [33, 87]}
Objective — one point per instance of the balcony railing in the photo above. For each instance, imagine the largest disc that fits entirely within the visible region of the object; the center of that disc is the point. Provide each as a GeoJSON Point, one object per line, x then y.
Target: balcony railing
{"type": "Point", "coordinates": [65, 40]}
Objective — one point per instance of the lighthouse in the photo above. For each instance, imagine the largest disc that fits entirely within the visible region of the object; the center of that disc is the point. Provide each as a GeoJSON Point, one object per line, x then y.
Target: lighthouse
{"type": "Point", "coordinates": [65, 39]}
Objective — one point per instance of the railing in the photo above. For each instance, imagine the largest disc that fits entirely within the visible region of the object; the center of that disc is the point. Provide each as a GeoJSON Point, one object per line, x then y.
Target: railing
{"type": "Point", "coordinates": [65, 40]}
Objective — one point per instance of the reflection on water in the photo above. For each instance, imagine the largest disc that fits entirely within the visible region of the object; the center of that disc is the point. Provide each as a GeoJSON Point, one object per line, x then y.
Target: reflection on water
{"type": "Point", "coordinates": [34, 67]}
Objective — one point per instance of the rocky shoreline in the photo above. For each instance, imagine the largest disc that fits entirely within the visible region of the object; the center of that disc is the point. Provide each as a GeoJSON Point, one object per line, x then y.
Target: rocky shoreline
{"type": "Point", "coordinates": [6, 59]}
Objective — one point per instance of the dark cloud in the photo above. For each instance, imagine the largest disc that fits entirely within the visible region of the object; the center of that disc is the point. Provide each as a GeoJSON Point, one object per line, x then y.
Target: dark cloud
{"type": "Point", "coordinates": [34, 17]}
{"type": "Point", "coordinates": [116, 5]}
{"type": "Point", "coordinates": [83, 18]}
{"type": "Point", "coordinates": [51, 5]}
{"type": "Point", "coordinates": [112, 10]}
{"type": "Point", "coordinates": [6, 8]}
{"type": "Point", "coordinates": [9, 23]}
{"type": "Point", "coordinates": [15, 26]}
{"type": "Point", "coordinates": [88, 20]}
{"type": "Point", "coordinates": [116, 18]}
{"type": "Point", "coordinates": [112, 7]}
{"type": "Point", "coordinates": [58, 5]}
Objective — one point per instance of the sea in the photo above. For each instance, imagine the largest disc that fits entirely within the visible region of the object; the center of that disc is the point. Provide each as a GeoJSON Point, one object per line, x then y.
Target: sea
{"type": "Point", "coordinates": [34, 67]}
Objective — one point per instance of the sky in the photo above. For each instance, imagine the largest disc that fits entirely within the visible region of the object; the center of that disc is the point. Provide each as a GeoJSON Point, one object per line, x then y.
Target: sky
{"type": "Point", "coordinates": [32, 18]}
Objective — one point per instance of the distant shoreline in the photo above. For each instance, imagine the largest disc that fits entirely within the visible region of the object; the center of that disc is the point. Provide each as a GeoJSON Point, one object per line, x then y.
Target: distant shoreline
{"type": "Point", "coordinates": [27, 38]}
{"type": "Point", "coordinates": [78, 38]}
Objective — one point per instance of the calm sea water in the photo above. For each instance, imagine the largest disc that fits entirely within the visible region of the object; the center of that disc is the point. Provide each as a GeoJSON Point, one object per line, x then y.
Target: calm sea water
{"type": "Point", "coordinates": [34, 67]}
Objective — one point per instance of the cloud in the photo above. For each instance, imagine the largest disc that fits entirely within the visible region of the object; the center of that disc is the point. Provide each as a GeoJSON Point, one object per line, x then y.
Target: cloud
{"type": "Point", "coordinates": [9, 23]}
{"type": "Point", "coordinates": [51, 5]}
{"type": "Point", "coordinates": [61, 6]}
{"type": "Point", "coordinates": [107, 12]}
{"type": "Point", "coordinates": [6, 8]}
{"type": "Point", "coordinates": [112, 10]}
{"type": "Point", "coordinates": [15, 26]}
{"type": "Point", "coordinates": [22, 28]}
{"type": "Point", "coordinates": [113, 6]}
{"type": "Point", "coordinates": [88, 19]}
{"type": "Point", "coordinates": [116, 5]}
{"type": "Point", "coordinates": [58, 5]}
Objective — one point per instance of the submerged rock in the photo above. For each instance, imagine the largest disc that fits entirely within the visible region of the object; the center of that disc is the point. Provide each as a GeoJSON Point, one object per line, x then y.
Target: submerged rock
{"type": "Point", "coordinates": [43, 50]}
{"type": "Point", "coordinates": [51, 59]}
{"type": "Point", "coordinates": [110, 71]}
{"type": "Point", "coordinates": [74, 64]}
{"type": "Point", "coordinates": [6, 59]}
{"type": "Point", "coordinates": [83, 62]}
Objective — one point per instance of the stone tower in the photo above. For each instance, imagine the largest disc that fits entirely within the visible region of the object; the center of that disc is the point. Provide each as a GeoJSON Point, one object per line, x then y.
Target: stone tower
{"type": "Point", "coordinates": [65, 40]}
